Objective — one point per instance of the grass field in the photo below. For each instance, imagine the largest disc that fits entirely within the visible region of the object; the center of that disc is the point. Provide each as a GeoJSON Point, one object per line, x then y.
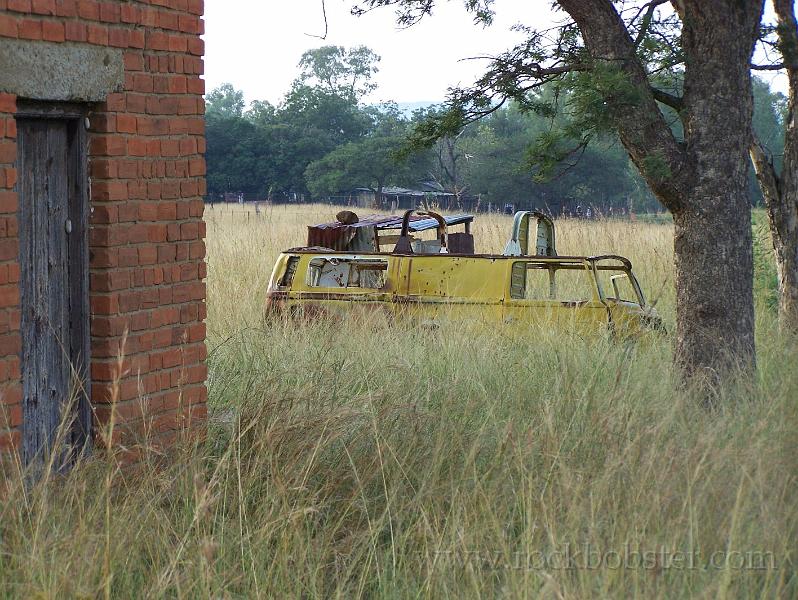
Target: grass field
{"type": "Point", "coordinates": [388, 461]}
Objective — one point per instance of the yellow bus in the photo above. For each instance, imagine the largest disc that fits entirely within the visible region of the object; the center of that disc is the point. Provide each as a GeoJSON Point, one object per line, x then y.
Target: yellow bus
{"type": "Point", "coordinates": [427, 282]}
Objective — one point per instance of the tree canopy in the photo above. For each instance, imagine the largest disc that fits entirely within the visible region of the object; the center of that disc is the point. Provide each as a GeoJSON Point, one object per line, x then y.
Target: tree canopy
{"type": "Point", "coordinates": [266, 150]}
{"type": "Point", "coordinates": [346, 73]}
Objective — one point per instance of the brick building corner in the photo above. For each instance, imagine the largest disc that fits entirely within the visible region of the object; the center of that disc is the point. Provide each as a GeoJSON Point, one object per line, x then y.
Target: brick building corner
{"type": "Point", "coordinates": [133, 68]}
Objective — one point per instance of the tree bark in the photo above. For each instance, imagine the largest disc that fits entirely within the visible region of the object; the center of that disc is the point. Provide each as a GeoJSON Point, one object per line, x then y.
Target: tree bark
{"type": "Point", "coordinates": [781, 190]}
{"type": "Point", "coordinates": [713, 245]}
{"type": "Point", "coordinates": [702, 181]}
{"type": "Point", "coordinates": [782, 209]}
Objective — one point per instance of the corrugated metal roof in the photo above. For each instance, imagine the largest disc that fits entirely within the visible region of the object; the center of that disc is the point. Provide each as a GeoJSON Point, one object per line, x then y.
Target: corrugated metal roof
{"type": "Point", "coordinates": [400, 191]}
{"type": "Point", "coordinates": [382, 222]}
{"type": "Point", "coordinates": [428, 188]}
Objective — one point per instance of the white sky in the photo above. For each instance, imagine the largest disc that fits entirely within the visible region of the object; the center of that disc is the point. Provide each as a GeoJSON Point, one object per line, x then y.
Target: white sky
{"type": "Point", "coordinates": [256, 44]}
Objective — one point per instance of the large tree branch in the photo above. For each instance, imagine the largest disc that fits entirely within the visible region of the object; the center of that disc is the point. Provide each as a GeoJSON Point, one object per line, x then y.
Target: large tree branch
{"type": "Point", "coordinates": [776, 67]}
{"type": "Point", "coordinates": [770, 184]}
{"type": "Point", "coordinates": [784, 219]}
{"type": "Point", "coordinates": [787, 32]}
{"type": "Point", "coordinates": [765, 171]}
{"type": "Point", "coordinates": [641, 126]}
{"type": "Point", "coordinates": [530, 70]}
{"type": "Point", "coordinates": [672, 100]}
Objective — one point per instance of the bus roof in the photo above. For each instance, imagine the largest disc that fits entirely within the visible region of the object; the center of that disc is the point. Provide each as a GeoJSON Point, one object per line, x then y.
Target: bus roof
{"type": "Point", "coordinates": [384, 222]}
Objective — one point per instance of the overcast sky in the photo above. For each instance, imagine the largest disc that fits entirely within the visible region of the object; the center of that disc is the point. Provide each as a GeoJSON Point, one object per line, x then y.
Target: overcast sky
{"type": "Point", "coordinates": [256, 44]}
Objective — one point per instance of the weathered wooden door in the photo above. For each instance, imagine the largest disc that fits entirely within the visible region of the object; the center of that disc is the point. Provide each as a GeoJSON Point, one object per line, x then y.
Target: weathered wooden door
{"type": "Point", "coordinates": [53, 224]}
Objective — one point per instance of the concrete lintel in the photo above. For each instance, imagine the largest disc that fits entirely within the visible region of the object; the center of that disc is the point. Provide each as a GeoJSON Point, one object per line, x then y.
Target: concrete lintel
{"type": "Point", "coordinates": [59, 72]}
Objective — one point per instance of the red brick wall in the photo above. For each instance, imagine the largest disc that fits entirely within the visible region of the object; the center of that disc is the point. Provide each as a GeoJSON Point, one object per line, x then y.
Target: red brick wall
{"type": "Point", "coordinates": [147, 170]}
{"type": "Point", "coordinates": [11, 417]}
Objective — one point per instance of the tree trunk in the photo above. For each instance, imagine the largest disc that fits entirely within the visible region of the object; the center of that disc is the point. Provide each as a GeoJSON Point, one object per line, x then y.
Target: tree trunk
{"type": "Point", "coordinates": [702, 180]}
{"type": "Point", "coordinates": [713, 245]}
{"type": "Point", "coordinates": [781, 191]}
{"type": "Point", "coordinates": [786, 250]}
{"type": "Point", "coordinates": [781, 202]}
{"type": "Point", "coordinates": [714, 279]}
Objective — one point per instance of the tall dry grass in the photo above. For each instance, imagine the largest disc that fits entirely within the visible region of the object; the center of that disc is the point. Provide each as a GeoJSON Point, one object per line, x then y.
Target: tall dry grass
{"type": "Point", "coordinates": [378, 460]}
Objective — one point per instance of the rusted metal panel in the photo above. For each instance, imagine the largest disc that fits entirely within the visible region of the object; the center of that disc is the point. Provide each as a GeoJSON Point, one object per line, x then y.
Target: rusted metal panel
{"type": "Point", "coordinates": [383, 222]}
{"type": "Point", "coordinates": [461, 243]}
{"type": "Point", "coordinates": [417, 223]}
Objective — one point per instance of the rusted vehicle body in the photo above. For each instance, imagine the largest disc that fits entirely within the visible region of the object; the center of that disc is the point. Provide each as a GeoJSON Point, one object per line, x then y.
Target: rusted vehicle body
{"type": "Point", "coordinates": [430, 283]}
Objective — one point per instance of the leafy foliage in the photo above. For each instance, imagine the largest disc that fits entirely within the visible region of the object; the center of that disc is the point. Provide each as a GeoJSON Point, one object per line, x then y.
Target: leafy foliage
{"type": "Point", "coordinates": [552, 146]}
{"type": "Point", "coordinates": [370, 162]}
{"type": "Point", "coordinates": [225, 101]}
{"type": "Point", "coordinates": [338, 71]}
{"type": "Point", "coordinates": [409, 12]}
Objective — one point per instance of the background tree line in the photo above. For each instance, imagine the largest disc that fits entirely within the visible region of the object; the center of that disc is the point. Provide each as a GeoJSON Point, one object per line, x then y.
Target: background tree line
{"type": "Point", "coordinates": [322, 140]}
